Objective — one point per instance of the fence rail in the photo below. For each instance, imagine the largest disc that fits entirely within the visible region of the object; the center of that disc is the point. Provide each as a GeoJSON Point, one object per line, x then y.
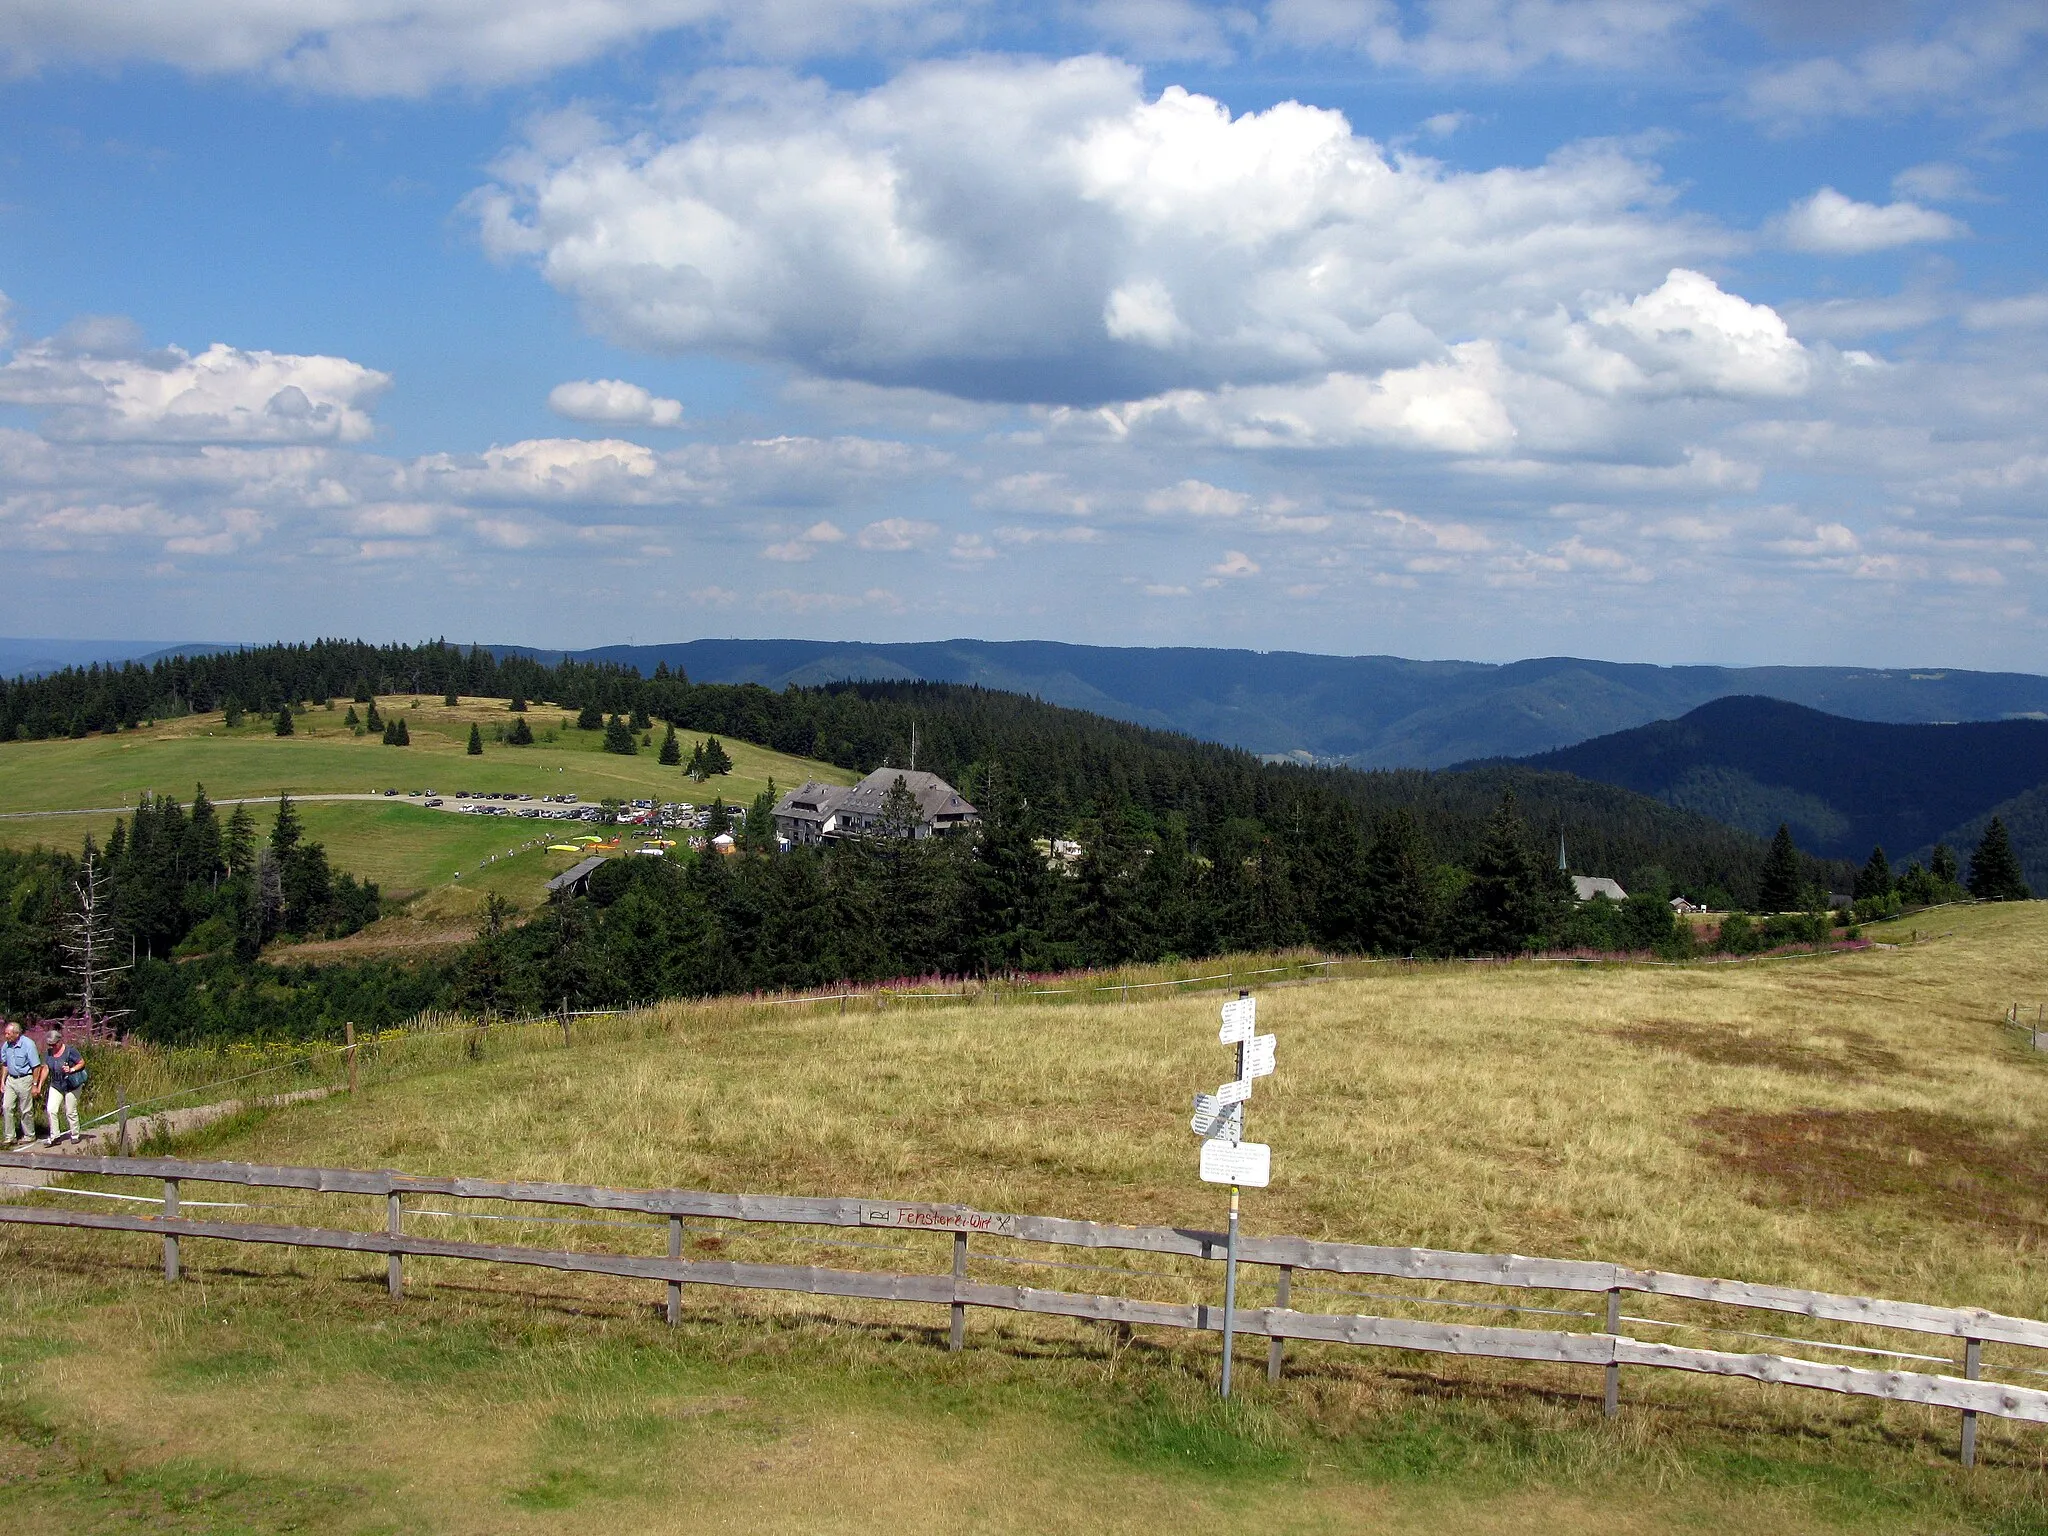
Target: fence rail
{"type": "Point", "coordinates": [1608, 1348]}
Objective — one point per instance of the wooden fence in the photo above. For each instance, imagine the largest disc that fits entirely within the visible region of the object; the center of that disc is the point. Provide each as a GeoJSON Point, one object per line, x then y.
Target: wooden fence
{"type": "Point", "coordinates": [1294, 1263]}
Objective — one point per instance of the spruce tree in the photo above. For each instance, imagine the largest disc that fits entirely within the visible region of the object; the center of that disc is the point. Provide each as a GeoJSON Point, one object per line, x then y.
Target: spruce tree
{"type": "Point", "coordinates": [641, 720]}
{"type": "Point", "coordinates": [590, 718]}
{"type": "Point", "coordinates": [286, 832]}
{"type": "Point", "coordinates": [1397, 908]}
{"type": "Point", "coordinates": [1009, 888]}
{"type": "Point", "coordinates": [1778, 886]}
{"type": "Point", "coordinates": [374, 720]}
{"type": "Point", "coordinates": [671, 749]}
{"type": "Point", "coordinates": [716, 759]}
{"type": "Point", "coordinates": [517, 706]}
{"type": "Point", "coordinates": [362, 694]}
{"type": "Point", "coordinates": [231, 712]}
{"type": "Point", "coordinates": [476, 740]}
{"type": "Point", "coordinates": [618, 737]}
{"type": "Point", "coordinates": [400, 736]}
{"type": "Point", "coordinates": [696, 768]}
{"type": "Point", "coordinates": [521, 734]}
{"type": "Point", "coordinates": [238, 843]}
{"type": "Point", "coordinates": [1943, 866]}
{"type": "Point", "coordinates": [1506, 907]}
{"type": "Point", "coordinates": [352, 720]}
{"type": "Point", "coordinates": [1994, 870]}
{"type": "Point", "coordinates": [1874, 880]}
{"type": "Point", "coordinates": [284, 726]}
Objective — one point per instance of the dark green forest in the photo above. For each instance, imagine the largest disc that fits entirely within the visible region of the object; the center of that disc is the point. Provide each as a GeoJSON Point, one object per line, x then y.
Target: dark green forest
{"type": "Point", "coordinates": [1188, 849]}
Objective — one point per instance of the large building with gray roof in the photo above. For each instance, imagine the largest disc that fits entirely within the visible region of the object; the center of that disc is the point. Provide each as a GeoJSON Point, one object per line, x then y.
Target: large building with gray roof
{"type": "Point", "coordinates": [814, 813]}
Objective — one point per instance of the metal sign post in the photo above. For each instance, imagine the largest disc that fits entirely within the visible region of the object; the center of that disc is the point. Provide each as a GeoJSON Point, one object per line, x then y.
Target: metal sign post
{"type": "Point", "coordinates": [1227, 1158]}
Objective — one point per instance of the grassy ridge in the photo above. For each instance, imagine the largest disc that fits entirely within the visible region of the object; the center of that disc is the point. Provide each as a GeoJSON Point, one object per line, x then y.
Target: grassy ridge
{"type": "Point", "coordinates": [403, 848]}
{"type": "Point", "coordinates": [1859, 1123]}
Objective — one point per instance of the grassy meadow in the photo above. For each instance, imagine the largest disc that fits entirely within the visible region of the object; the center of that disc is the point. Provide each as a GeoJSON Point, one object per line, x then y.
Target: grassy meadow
{"type": "Point", "coordinates": [407, 850]}
{"type": "Point", "coordinates": [1858, 1122]}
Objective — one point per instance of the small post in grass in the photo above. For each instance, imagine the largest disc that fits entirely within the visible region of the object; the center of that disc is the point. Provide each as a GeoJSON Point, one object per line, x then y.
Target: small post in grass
{"type": "Point", "coordinates": [675, 1287]}
{"type": "Point", "coordinates": [564, 1017]}
{"type": "Point", "coordinates": [121, 1134]}
{"type": "Point", "coordinates": [394, 1263]}
{"type": "Point", "coordinates": [1612, 1406]}
{"type": "Point", "coordinates": [958, 1341]}
{"type": "Point", "coordinates": [170, 1239]}
{"type": "Point", "coordinates": [348, 1036]}
{"type": "Point", "coordinates": [1973, 1368]}
{"type": "Point", "coordinates": [1278, 1345]}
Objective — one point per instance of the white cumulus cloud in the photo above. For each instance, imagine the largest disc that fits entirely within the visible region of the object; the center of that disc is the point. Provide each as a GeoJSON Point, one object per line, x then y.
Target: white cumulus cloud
{"type": "Point", "coordinates": [97, 383]}
{"type": "Point", "coordinates": [1832, 224]}
{"type": "Point", "coordinates": [613, 402]}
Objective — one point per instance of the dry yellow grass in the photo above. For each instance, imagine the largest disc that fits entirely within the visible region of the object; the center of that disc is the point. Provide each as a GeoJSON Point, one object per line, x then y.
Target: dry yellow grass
{"type": "Point", "coordinates": [1859, 1123]}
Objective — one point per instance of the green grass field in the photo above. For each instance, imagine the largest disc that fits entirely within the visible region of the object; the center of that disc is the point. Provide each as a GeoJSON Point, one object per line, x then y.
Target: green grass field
{"type": "Point", "coordinates": [405, 849]}
{"type": "Point", "coordinates": [1861, 1122]}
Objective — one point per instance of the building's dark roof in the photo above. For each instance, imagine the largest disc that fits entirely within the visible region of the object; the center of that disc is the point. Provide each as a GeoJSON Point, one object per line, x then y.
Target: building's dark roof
{"type": "Point", "coordinates": [935, 797]}
{"type": "Point", "coordinates": [812, 801]}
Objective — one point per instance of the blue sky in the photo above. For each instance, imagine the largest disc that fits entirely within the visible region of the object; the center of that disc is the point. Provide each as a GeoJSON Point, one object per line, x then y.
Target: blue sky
{"type": "Point", "coordinates": [1670, 330]}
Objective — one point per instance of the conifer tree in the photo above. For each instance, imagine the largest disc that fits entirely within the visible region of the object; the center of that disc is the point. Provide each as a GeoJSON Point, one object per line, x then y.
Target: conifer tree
{"type": "Point", "coordinates": [671, 749]}
{"type": "Point", "coordinates": [716, 759]}
{"type": "Point", "coordinates": [476, 740]}
{"type": "Point", "coordinates": [374, 720]}
{"type": "Point", "coordinates": [238, 844]}
{"type": "Point", "coordinates": [1874, 880]}
{"type": "Point", "coordinates": [362, 693]}
{"type": "Point", "coordinates": [696, 768]}
{"type": "Point", "coordinates": [284, 726]}
{"type": "Point", "coordinates": [1943, 866]}
{"type": "Point", "coordinates": [517, 706]}
{"type": "Point", "coordinates": [590, 718]}
{"type": "Point", "coordinates": [521, 734]}
{"type": "Point", "coordinates": [400, 735]}
{"type": "Point", "coordinates": [1009, 888]}
{"type": "Point", "coordinates": [1397, 909]}
{"type": "Point", "coordinates": [1778, 887]}
{"type": "Point", "coordinates": [351, 719]}
{"type": "Point", "coordinates": [1506, 907]}
{"type": "Point", "coordinates": [1994, 870]}
{"type": "Point", "coordinates": [231, 712]}
{"type": "Point", "coordinates": [618, 737]}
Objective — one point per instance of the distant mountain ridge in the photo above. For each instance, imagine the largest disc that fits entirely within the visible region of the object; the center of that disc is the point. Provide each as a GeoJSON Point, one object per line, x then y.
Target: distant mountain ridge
{"type": "Point", "coordinates": [1841, 785]}
{"type": "Point", "coordinates": [1364, 711]}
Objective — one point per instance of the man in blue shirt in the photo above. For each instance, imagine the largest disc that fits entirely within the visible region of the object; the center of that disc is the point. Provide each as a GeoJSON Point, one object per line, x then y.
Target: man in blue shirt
{"type": "Point", "coordinates": [19, 1055]}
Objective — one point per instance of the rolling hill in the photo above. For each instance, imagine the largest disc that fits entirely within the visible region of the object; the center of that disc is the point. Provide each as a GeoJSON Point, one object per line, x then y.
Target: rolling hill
{"type": "Point", "coordinates": [1841, 785]}
{"type": "Point", "coordinates": [1361, 711]}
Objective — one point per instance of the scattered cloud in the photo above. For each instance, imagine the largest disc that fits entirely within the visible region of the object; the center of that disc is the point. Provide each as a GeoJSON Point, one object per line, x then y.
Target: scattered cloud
{"type": "Point", "coordinates": [896, 534]}
{"type": "Point", "coordinates": [805, 544]}
{"type": "Point", "coordinates": [1234, 563]}
{"type": "Point", "coordinates": [1831, 224]}
{"type": "Point", "coordinates": [613, 402]}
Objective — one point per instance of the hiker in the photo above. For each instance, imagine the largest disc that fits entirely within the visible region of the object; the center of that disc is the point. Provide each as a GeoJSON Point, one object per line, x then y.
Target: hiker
{"type": "Point", "coordinates": [64, 1073]}
{"type": "Point", "coordinates": [19, 1054]}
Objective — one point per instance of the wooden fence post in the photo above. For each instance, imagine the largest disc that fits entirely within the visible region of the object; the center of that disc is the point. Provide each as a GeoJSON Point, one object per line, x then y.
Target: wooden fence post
{"type": "Point", "coordinates": [1973, 1367]}
{"type": "Point", "coordinates": [675, 1287]}
{"type": "Point", "coordinates": [1276, 1344]}
{"type": "Point", "coordinates": [170, 1239]}
{"type": "Point", "coordinates": [121, 1136]}
{"type": "Point", "coordinates": [394, 1264]}
{"type": "Point", "coordinates": [958, 1341]}
{"type": "Point", "coordinates": [564, 1017]}
{"type": "Point", "coordinates": [1612, 1407]}
{"type": "Point", "coordinates": [348, 1035]}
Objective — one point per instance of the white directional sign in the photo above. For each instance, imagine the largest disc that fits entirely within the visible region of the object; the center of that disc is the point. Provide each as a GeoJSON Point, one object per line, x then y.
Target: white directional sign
{"type": "Point", "coordinates": [1234, 1092]}
{"type": "Point", "coordinates": [1246, 1162]}
{"type": "Point", "coordinates": [1240, 1018]}
{"type": "Point", "coordinates": [1258, 1056]}
{"type": "Point", "coordinates": [1225, 1122]}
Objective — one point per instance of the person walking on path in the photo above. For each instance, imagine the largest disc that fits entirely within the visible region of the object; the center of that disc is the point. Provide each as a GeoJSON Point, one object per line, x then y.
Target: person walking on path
{"type": "Point", "coordinates": [18, 1054]}
{"type": "Point", "coordinates": [64, 1072]}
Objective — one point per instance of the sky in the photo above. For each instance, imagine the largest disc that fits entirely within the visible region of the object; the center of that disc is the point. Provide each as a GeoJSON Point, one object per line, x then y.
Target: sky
{"type": "Point", "coordinates": [1658, 330]}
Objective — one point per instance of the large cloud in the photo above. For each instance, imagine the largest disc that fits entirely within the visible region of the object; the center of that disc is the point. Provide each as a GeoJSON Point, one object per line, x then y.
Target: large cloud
{"type": "Point", "coordinates": [407, 47]}
{"type": "Point", "coordinates": [96, 382]}
{"type": "Point", "coordinates": [1047, 231]}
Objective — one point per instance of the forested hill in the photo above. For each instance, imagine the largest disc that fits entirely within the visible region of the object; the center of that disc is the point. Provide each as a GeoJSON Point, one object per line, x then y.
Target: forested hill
{"type": "Point", "coordinates": [1364, 711]}
{"type": "Point", "coordinates": [1068, 763]}
{"type": "Point", "coordinates": [1843, 786]}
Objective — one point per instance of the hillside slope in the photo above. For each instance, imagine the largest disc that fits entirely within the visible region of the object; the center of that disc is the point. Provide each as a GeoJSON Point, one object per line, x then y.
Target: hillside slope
{"type": "Point", "coordinates": [1875, 1133]}
{"type": "Point", "coordinates": [1366, 711]}
{"type": "Point", "coordinates": [1841, 785]}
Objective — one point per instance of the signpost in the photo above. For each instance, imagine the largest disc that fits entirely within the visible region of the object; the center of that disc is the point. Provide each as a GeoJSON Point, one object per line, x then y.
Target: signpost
{"type": "Point", "coordinates": [1227, 1158]}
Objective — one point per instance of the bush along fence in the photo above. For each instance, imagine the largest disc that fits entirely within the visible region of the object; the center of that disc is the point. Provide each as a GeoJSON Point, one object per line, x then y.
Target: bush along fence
{"type": "Point", "coordinates": [1296, 1265]}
